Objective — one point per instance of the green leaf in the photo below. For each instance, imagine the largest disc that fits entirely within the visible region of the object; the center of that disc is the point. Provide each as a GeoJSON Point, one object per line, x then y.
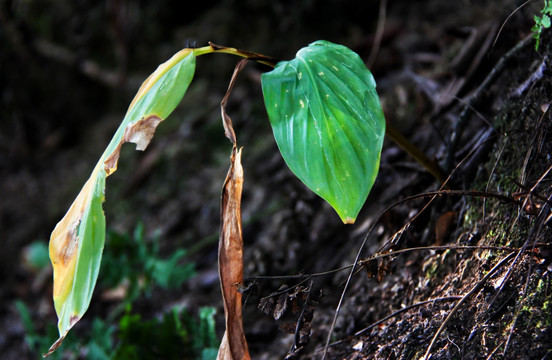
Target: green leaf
{"type": "Point", "coordinates": [36, 255]}
{"type": "Point", "coordinates": [77, 242]}
{"type": "Point", "coordinates": [168, 273]}
{"type": "Point", "coordinates": [545, 22]}
{"type": "Point", "coordinates": [328, 123]}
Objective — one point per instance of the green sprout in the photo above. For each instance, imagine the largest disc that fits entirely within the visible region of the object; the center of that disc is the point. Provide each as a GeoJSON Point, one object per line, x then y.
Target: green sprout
{"type": "Point", "coordinates": [542, 22]}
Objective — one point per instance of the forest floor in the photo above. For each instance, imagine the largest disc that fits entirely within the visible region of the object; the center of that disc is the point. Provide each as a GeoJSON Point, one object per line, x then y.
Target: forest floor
{"type": "Point", "coordinates": [453, 270]}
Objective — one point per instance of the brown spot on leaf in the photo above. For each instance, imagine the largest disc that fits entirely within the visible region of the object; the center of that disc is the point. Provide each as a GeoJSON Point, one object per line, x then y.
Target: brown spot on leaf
{"type": "Point", "coordinates": [110, 163]}
{"type": "Point", "coordinates": [140, 132]}
{"type": "Point", "coordinates": [73, 320]}
{"type": "Point", "coordinates": [70, 243]}
{"type": "Point", "coordinates": [64, 242]}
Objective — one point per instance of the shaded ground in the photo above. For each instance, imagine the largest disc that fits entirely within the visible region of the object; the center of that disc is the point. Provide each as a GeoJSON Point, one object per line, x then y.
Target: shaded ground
{"type": "Point", "coordinates": [431, 67]}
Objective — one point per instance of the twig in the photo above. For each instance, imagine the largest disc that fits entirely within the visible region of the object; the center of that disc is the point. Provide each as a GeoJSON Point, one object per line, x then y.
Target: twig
{"type": "Point", "coordinates": [523, 296]}
{"type": "Point", "coordinates": [535, 231]}
{"type": "Point", "coordinates": [505, 21]}
{"type": "Point", "coordinates": [398, 312]}
{"type": "Point", "coordinates": [492, 173]}
{"type": "Point", "coordinates": [433, 195]}
{"type": "Point", "coordinates": [476, 95]}
{"type": "Point", "coordinates": [431, 166]}
{"type": "Point", "coordinates": [379, 34]}
{"type": "Point", "coordinates": [377, 256]}
{"type": "Point", "coordinates": [357, 258]}
{"type": "Point", "coordinates": [296, 337]}
{"type": "Point", "coordinates": [494, 351]}
{"type": "Point", "coordinates": [475, 289]}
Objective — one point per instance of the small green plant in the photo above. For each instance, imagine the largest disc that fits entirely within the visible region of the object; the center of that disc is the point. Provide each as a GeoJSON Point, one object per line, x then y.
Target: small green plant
{"type": "Point", "coordinates": [176, 335]}
{"type": "Point", "coordinates": [542, 22]}
{"type": "Point", "coordinates": [36, 255]}
{"type": "Point", "coordinates": [97, 345]}
{"type": "Point", "coordinates": [131, 259]}
{"type": "Point", "coordinates": [328, 124]}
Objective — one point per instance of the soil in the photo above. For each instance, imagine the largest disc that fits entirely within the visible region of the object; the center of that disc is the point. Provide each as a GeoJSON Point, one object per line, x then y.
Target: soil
{"type": "Point", "coordinates": [465, 274]}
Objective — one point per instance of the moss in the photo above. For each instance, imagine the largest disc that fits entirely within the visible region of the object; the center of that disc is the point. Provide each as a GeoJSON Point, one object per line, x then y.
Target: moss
{"type": "Point", "coordinates": [539, 305]}
{"type": "Point", "coordinates": [431, 269]}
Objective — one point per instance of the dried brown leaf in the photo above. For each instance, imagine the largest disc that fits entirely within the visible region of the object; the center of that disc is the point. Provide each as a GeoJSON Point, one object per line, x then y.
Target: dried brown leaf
{"type": "Point", "coordinates": [234, 345]}
{"type": "Point", "coordinates": [442, 226]}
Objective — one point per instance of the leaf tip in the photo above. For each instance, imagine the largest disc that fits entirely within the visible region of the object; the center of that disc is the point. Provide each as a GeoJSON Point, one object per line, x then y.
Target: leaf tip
{"type": "Point", "coordinates": [348, 220]}
{"type": "Point", "coordinates": [53, 347]}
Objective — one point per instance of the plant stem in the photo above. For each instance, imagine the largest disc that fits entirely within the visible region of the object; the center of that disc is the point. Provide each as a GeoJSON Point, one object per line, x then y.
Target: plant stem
{"type": "Point", "coordinates": [430, 165]}
{"type": "Point", "coordinates": [260, 58]}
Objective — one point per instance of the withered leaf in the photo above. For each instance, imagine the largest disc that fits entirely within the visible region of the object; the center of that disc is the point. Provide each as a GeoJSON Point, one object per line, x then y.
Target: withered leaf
{"type": "Point", "coordinates": [275, 304]}
{"type": "Point", "coordinates": [77, 242]}
{"type": "Point", "coordinates": [442, 226]}
{"type": "Point", "coordinates": [234, 345]}
{"type": "Point", "coordinates": [293, 310]}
